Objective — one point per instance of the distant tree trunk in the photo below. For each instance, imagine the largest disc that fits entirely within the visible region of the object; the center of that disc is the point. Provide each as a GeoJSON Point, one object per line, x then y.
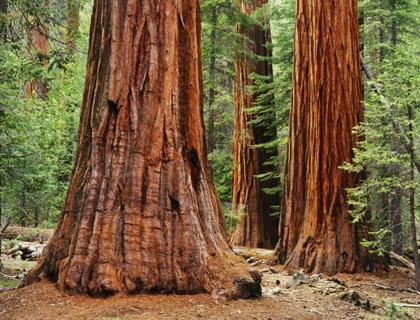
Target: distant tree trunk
{"type": "Point", "coordinates": [39, 47]}
{"type": "Point", "coordinates": [395, 220]}
{"type": "Point", "coordinates": [413, 230]}
{"type": "Point", "coordinates": [396, 201]}
{"type": "Point", "coordinates": [23, 207]}
{"type": "Point", "coordinates": [257, 228]}
{"type": "Point", "coordinates": [212, 71]}
{"type": "Point", "coordinates": [141, 212]}
{"type": "Point", "coordinates": [393, 24]}
{"type": "Point", "coordinates": [315, 229]}
{"type": "Point", "coordinates": [3, 34]}
{"type": "Point", "coordinates": [72, 25]}
{"type": "Point", "coordinates": [36, 217]}
{"type": "Point", "coordinates": [3, 21]}
{"type": "Point", "coordinates": [381, 36]}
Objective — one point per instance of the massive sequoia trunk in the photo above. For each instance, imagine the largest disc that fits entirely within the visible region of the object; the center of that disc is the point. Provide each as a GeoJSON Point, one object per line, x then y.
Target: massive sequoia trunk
{"type": "Point", "coordinates": [257, 228]}
{"type": "Point", "coordinates": [315, 229]}
{"type": "Point", "coordinates": [141, 213]}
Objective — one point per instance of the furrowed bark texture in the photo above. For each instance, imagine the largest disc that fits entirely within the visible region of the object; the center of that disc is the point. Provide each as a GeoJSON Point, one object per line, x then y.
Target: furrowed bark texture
{"type": "Point", "coordinates": [256, 228]}
{"type": "Point", "coordinates": [141, 213]}
{"type": "Point", "coordinates": [315, 229]}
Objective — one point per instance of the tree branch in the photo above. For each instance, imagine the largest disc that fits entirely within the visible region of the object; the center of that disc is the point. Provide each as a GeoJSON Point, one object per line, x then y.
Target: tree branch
{"type": "Point", "coordinates": [5, 224]}
{"type": "Point", "coordinates": [395, 123]}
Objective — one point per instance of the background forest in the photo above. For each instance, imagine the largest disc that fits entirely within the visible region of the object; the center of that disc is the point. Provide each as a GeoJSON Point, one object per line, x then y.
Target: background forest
{"type": "Point", "coordinates": [43, 51]}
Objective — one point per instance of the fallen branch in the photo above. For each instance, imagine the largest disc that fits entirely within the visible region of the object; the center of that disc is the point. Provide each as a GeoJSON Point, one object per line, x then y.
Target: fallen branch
{"type": "Point", "coordinates": [27, 252]}
{"type": "Point", "coordinates": [18, 276]}
{"type": "Point", "coordinates": [407, 305]}
{"type": "Point", "coordinates": [404, 261]}
{"type": "Point", "coordinates": [384, 287]}
{"type": "Point", "coordinates": [5, 224]}
{"type": "Point", "coordinates": [379, 286]}
{"type": "Point", "coordinates": [253, 252]}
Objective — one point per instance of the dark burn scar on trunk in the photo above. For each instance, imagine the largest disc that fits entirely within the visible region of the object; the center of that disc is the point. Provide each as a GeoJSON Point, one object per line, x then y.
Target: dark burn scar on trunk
{"type": "Point", "coordinates": [195, 166]}
{"type": "Point", "coordinates": [174, 203]}
{"type": "Point", "coordinates": [194, 157]}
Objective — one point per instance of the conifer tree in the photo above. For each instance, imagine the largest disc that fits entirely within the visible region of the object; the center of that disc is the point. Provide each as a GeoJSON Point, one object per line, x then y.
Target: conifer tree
{"type": "Point", "coordinates": [315, 228]}
{"type": "Point", "coordinates": [141, 213]}
{"type": "Point", "coordinates": [257, 228]}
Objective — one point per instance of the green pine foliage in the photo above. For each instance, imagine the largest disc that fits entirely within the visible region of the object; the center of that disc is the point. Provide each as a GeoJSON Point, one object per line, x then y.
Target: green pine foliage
{"type": "Point", "coordinates": [383, 157]}
{"type": "Point", "coordinates": [218, 44]}
{"type": "Point", "coordinates": [271, 108]}
{"type": "Point", "coordinates": [38, 137]}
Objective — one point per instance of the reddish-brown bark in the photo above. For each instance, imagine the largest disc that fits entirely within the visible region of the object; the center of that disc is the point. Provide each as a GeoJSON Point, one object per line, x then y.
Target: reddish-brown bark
{"type": "Point", "coordinates": [39, 47]}
{"type": "Point", "coordinates": [315, 229]}
{"type": "Point", "coordinates": [141, 213]}
{"type": "Point", "coordinates": [257, 228]}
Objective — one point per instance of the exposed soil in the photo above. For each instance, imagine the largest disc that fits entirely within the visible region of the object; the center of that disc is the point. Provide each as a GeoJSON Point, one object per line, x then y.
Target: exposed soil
{"type": "Point", "coordinates": [360, 296]}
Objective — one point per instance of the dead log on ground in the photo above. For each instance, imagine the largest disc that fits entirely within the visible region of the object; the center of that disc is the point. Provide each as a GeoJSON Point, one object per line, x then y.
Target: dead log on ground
{"type": "Point", "coordinates": [28, 252]}
{"type": "Point", "coordinates": [253, 252]}
{"type": "Point", "coordinates": [402, 260]}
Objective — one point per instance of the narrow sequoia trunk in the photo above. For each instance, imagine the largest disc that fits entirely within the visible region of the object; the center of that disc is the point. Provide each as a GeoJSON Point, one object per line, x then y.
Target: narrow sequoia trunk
{"type": "Point", "coordinates": [141, 213]}
{"type": "Point", "coordinates": [39, 48]}
{"type": "Point", "coordinates": [256, 227]}
{"type": "Point", "coordinates": [315, 229]}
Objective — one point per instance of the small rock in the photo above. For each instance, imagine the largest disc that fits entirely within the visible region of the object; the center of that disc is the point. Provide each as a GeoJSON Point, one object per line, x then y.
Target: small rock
{"type": "Point", "coordinates": [252, 260]}
{"type": "Point", "coordinates": [365, 304]}
{"type": "Point", "coordinates": [350, 295]}
{"type": "Point", "coordinates": [342, 283]}
{"type": "Point", "coordinates": [275, 291]}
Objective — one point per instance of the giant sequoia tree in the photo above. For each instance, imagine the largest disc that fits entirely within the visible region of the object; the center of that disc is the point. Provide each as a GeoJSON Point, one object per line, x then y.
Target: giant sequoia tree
{"type": "Point", "coordinates": [141, 213]}
{"type": "Point", "coordinates": [257, 228]}
{"type": "Point", "coordinates": [315, 229]}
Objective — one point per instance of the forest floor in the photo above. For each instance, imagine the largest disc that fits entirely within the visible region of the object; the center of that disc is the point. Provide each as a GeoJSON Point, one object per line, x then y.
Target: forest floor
{"type": "Point", "coordinates": [287, 294]}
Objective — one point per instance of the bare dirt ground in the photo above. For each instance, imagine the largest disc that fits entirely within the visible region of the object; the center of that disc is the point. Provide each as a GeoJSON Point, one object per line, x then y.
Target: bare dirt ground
{"type": "Point", "coordinates": [361, 296]}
